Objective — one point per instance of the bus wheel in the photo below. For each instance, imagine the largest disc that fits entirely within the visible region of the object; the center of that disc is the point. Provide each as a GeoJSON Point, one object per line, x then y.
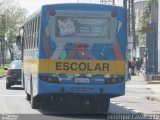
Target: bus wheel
{"type": "Point", "coordinates": [28, 97]}
{"type": "Point", "coordinates": [105, 106]}
{"type": "Point", "coordinates": [45, 102]}
{"type": "Point", "coordinates": [23, 82]}
{"type": "Point", "coordinates": [100, 105]}
{"type": "Point", "coordinates": [8, 86]}
{"type": "Point", "coordinates": [35, 102]}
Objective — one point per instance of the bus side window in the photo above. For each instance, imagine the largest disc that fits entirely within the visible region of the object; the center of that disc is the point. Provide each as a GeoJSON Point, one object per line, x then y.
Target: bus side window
{"type": "Point", "coordinates": [34, 34]}
{"type": "Point", "coordinates": [31, 42]}
{"type": "Point", "coordinates": [24, 37]}
{"type": "Point", "coordinates": [29, 35]}
{"type": "Point", "coordinates": [32, 31]}
{"type": "Point", "coordinates": [38, 27]}
{"type": "Point", "coordinates": [35, 38]}
{"type": "Point", "coordinates": [35, 43]}
{"type": "Point", "coordinates": [38, 23]}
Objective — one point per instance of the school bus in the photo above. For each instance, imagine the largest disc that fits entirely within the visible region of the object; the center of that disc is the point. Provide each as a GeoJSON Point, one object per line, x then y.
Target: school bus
{"type": "Point", "coordinates": [75, 53]}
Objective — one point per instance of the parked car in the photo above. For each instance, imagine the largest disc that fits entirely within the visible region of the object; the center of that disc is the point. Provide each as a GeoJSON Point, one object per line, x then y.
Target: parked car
{"type": "Point", "coordinates": [14, 74]}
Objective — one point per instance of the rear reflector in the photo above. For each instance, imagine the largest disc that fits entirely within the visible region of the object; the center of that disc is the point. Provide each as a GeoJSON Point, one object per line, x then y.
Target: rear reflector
{"type": "Point", "coordinates": [113, 14]}
{"type": "Point", "coordinates": [49, 79]}
{"type": "Point", "coordinates": [52, 12]}
{"type": "Point", "coordinates": [9, 72]}
{"type": "Point", "coordinates": [114, 80]}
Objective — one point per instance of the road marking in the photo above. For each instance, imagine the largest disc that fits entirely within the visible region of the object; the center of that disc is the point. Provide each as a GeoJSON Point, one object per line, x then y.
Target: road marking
{"type": "Point", "coordinates": [12, 95]}
{"type": "Point", "coordinates": [126, 107]}
{"type": "Point", "coordinates": [136, 111]}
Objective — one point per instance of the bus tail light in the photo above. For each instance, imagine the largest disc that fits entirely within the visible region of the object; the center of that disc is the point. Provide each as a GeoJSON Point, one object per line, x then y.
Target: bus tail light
{"type": "Point", "coordinates": [52, 12]}
{"type": "Point", "coordinates": [49, 79]}
{"type": "Point", "coordinates": [113, 80]}
{"type": "Point", "coordinates": [55, 79]}
{"type": "Point", "coordinates": [42, 77]}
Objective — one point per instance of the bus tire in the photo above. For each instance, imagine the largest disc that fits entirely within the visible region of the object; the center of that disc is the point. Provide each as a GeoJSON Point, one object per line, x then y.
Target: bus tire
{"type": "Point", "coordinates": [8, 86]}
{"type": "Point", "coordinates": [45, 102]}
{"type": "Point", "coordinates": [35, 101]}
{"type": "Point", "coordinates": [23, 81]}
{"type": "Point", "coordinates": [28, 97]}
{"type": "Point", "coordinates": [100, 105]}
{"type": "Point", "coordinates": [107, 104]}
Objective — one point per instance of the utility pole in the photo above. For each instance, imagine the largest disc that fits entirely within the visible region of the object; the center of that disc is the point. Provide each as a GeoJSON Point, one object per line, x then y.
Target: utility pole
{"type": "Point", "coordinates": [129, 17]}
{"type": "Point", "coordinates": [126, 15]}
{"type": "Point", "coordinates": [133, 25]}
{"type": "Point", "coordinates": [131, 34]}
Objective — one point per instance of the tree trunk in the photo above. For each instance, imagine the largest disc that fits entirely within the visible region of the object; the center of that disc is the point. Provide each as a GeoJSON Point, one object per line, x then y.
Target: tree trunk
{"type": "Point", "coordinates": [11, 53]}
{"type": "Point", "coordinates": [10, 48]}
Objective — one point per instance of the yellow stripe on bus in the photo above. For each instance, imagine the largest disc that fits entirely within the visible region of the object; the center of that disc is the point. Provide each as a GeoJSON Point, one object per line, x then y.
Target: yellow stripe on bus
{"type": "Point", "coordinates": [75, 66]}
{"type": "Point", "coordinates": [82, 66]}
{"type": "Point", "coordinates": [31, 65]}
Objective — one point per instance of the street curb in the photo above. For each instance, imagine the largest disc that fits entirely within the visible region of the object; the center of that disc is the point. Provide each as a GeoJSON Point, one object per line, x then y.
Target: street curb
{"type": "Point", "coordinates": [2, 76]}
{"type": "Point", "coordinates": [154, 82]}
{"type": "Point", "coordinates": [152, 98]}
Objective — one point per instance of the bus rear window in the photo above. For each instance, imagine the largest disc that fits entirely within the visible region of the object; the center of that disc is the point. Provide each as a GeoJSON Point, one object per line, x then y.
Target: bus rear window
{"type": "Point", "coordinates": [83, 27]}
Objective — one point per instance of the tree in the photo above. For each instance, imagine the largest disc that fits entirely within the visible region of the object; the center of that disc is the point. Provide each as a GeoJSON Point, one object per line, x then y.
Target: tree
{"type": "Point", "coordinates": [143, 21]}
{"type": "Point", "coordinates": [14, 16]}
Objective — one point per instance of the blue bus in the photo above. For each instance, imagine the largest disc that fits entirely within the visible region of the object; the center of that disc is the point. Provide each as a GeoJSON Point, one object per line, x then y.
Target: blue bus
{"type": "Point", "coordinates": [75, 53]}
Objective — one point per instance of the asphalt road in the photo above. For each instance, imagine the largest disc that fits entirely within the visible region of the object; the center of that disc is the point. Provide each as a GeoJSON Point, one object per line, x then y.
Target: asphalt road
{"type": "Point", "coordinates": [14, 105]}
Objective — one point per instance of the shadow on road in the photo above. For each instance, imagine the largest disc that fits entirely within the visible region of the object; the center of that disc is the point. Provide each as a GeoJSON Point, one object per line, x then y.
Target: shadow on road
{"type": "Point", "coordinates": [71, 112]}
{"type": "Point", "coordinates": [62, 117]}
{"type": "Point", "coordinates": [82, 112]}
{"type": "Point", "coordinates": [61, 112]}
{"type": "Point", "coordinates": [16, 88]}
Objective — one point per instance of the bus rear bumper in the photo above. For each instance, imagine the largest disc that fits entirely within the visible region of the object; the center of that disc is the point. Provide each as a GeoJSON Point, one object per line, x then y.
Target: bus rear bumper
{"type": "Point", "coordinates": [117, 89]}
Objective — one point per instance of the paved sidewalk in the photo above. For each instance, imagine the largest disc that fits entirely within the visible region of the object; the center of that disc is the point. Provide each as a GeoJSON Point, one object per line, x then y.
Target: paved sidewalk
{"type": "Point", "coordinates": [153, 86]}
{"type": "Point", "coordinates": [140, 97]}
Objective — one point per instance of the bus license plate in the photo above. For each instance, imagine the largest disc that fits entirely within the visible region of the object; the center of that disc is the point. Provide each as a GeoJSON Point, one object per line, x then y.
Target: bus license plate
{"type": "Point", "coordinates": [82, 80]}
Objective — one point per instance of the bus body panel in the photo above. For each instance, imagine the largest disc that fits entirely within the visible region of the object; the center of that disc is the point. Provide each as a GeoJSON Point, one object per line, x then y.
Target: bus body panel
{"type": "Point", "coordinates": [108, 90]}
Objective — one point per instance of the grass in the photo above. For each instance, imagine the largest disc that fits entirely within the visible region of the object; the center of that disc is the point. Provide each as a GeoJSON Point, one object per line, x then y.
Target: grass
{"type": "Point", "coordinates": [2, 70]}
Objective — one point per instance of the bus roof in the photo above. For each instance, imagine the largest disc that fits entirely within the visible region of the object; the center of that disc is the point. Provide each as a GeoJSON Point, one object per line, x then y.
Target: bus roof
{"type": "Point", "coordinates": [74, 5]}
{"type": "Point", "coordinates": [33, 15]}
{"type": "Point", "coordinates": [69, 6]}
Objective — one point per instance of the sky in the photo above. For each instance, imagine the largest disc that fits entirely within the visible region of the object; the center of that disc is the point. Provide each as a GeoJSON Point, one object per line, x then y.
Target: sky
{"type": "Point", "coordinates": [33, 5]}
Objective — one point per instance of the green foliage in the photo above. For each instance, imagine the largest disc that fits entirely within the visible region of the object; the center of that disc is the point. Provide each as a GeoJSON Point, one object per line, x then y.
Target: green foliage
{"type": "Point", "coordinates": [2, 70]}
{"type": "Point", "coordinates": [144, 20]}
{"type": "Point", "coordinates": [11, 17]}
